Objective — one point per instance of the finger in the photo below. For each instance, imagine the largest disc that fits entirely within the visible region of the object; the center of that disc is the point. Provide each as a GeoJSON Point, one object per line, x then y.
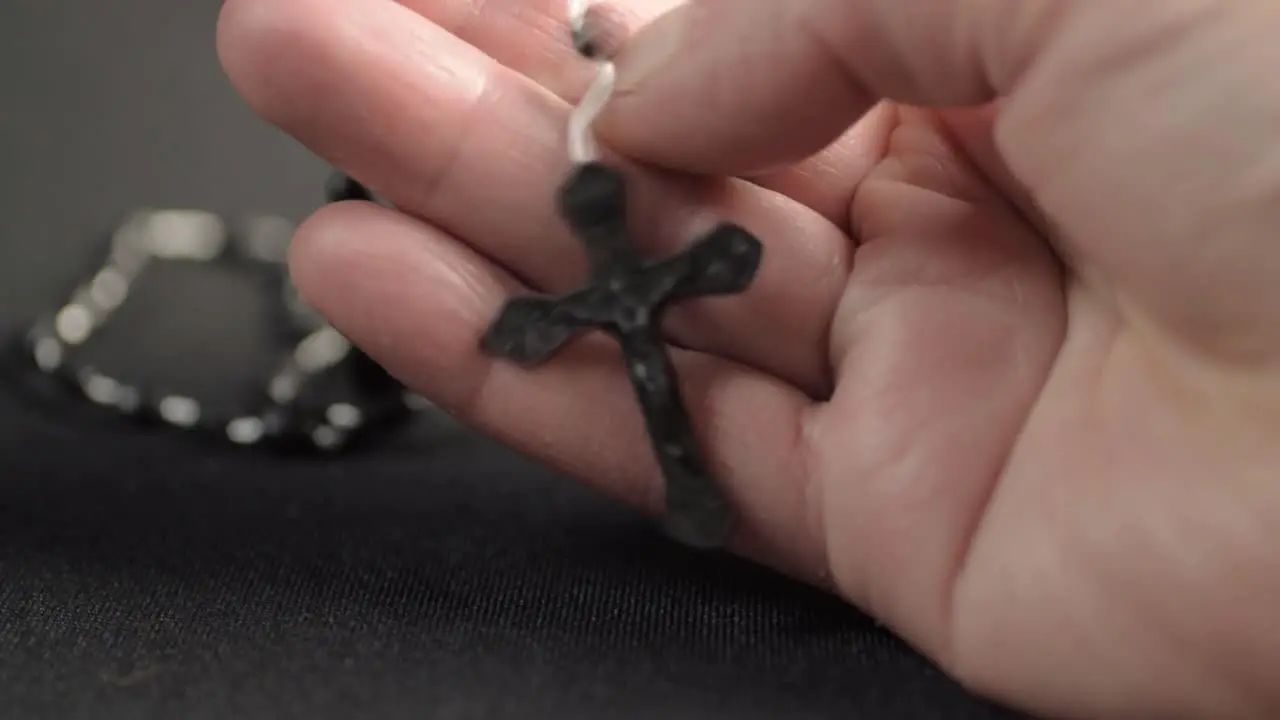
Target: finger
{"type": "Point", "coordinates": [951, 324]}
{"type": "Point", "coordinates": [726, 87]}
{"type": "Point", "coordinates": [531, 37]}
{"type": "Point", "coordinates": [448, 134]}
{"type": "Point", "coordinates": [973, 130]}
{"type": "Point", "coordinates": [418, 302]}
{"type": "Point", "coordinates": [826, 181]}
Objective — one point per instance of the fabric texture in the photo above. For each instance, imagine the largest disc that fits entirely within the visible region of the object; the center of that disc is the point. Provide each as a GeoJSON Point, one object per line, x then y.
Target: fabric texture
{"type": "Point", "coordinates": [148, 574]}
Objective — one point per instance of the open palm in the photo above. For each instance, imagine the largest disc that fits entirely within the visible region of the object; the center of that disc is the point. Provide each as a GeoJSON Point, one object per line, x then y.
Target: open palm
{"type": "Point", "coordinates": [917, 404]}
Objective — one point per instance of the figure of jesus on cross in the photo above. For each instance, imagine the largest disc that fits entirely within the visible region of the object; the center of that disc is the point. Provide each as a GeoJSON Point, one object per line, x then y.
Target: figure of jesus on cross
{"type": "Point", "coordinates": [626, 297]}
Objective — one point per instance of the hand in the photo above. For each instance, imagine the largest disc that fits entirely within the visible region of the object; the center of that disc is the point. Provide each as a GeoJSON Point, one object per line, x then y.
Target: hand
{"type": "Point", "coordinates": [1009, 378]}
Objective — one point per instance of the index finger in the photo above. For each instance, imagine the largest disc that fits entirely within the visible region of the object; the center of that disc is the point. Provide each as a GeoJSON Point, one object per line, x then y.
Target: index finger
{"type": "Point", "coordinates": [729, 87]}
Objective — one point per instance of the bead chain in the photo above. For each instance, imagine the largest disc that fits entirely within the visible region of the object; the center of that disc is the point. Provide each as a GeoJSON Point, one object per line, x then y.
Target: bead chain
{"type": "Point", "coordinates": [281, 422]}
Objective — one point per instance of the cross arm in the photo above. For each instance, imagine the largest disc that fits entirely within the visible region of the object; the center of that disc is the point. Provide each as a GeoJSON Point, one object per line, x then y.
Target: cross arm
{"type": "Point", "coordinates": [529, 330]}
{"type": "Point", "coordinates": [723, 262]}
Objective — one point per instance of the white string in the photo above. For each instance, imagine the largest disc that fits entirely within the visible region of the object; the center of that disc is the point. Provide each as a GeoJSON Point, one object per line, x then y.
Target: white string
{"type": "Point", "coordinates": [582, 143]}
{"type": "Point", "coordinates": [578, 14]}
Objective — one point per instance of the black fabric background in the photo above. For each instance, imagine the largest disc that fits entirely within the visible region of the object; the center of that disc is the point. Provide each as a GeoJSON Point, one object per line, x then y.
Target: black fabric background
{"type": "Point", "coordinates": [144, 575]}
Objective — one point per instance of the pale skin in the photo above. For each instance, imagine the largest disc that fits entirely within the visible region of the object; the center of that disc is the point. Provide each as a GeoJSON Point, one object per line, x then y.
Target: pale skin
{"type": "Point", "coordinates": [1009, 378]}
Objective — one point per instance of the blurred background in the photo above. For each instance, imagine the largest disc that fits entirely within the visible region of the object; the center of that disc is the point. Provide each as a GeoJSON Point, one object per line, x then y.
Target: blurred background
{"type": "Point", "coordinates": [107, 106]}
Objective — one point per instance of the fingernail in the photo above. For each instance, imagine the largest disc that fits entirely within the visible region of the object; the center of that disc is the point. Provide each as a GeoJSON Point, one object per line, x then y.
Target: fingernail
{"type": "Point", "coordinates": [652, 49]}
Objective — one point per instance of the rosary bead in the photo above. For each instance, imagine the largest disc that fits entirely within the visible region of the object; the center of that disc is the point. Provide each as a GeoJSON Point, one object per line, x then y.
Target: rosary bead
{"type": "Point", "coordinates": [377, 400]}
{"type": "Point", "coordinates": [600, 34]}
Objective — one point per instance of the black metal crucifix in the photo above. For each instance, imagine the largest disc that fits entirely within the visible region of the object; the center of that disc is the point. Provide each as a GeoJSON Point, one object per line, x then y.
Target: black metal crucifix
{"type": "Point", "coordinates": [626, 298]}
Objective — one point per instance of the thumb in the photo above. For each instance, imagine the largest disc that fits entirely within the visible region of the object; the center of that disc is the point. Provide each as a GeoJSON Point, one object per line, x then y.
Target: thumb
{"type": "Point", "coordinates": [727, 86]}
